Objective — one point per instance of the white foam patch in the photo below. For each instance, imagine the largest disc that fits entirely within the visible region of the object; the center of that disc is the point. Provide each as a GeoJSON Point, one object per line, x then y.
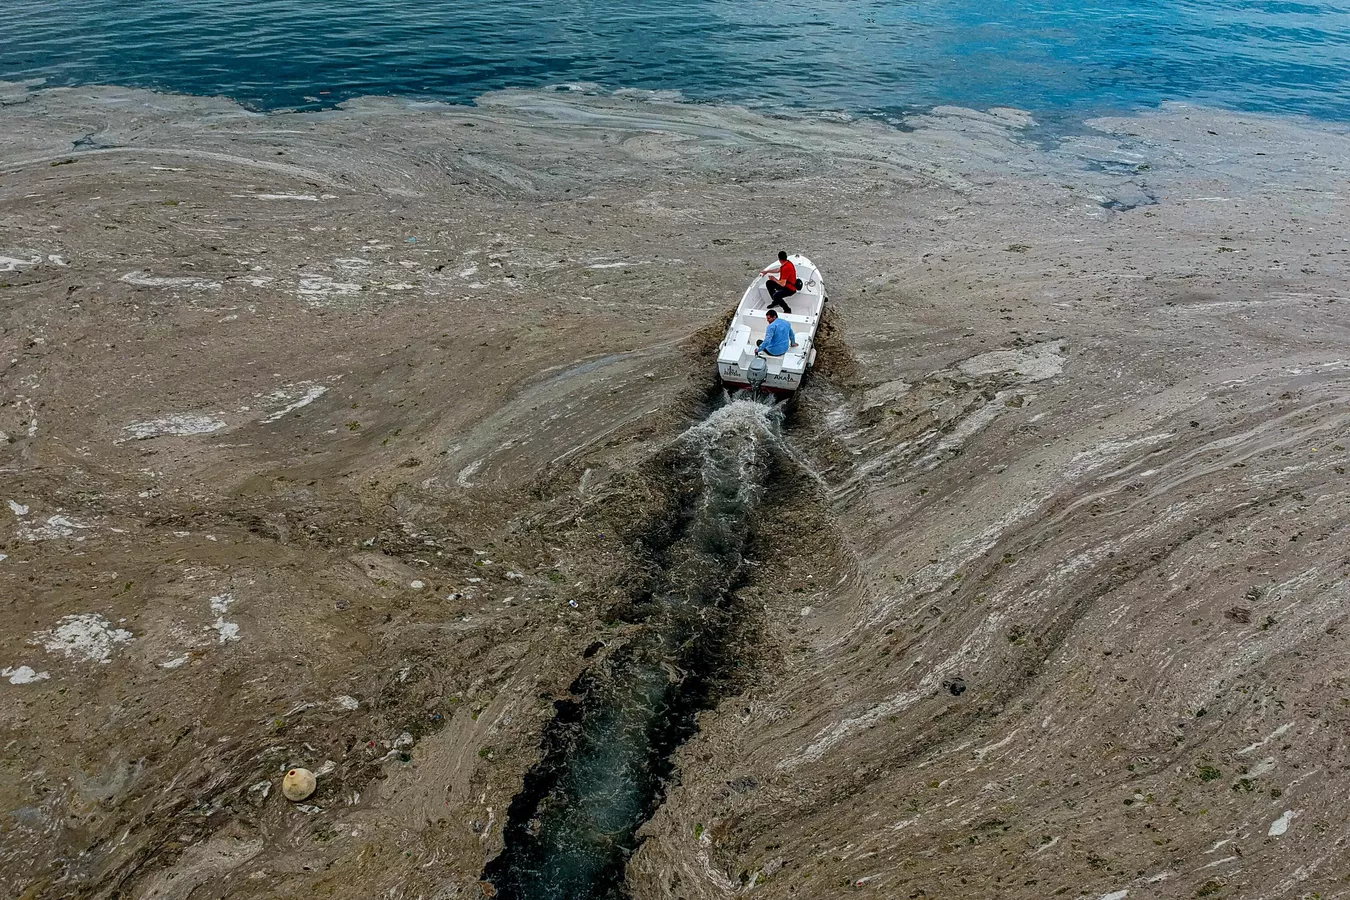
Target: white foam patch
{"type": "Point", "coordinates": [964, 431]}
{"type": "Point", "coordinates": [320, 286]}
{"type": "Point", "coordinates": [225, 631]}
{"type": "Point", "coordinates": [146, 279]}
{"type": "Point", "coordinates": [1281, 825]}
{"type": "Point", "coordinates": [307, 198]}
{"type": "Point", "coordinates": [887, 392]}
{"type": "Point", "coordinates": [175, 662]}
{"type": "Point", "coordinates": [23, 675]}
{"type": "Point", "coordinates": [55, 527]}
{"type": "Point", "coordinates": [185, 424]}
{"type": "Point", "coordinates": [465, 476]}
{"type": "Point", "coordinates": [1035, 363]}
{"type": "Point", "coordinates": [1261, 768]}
{"type": "Point", "coordinates": [1084, 461]}
{"type": "Point", "coordinates": [1266, 740]}
{"type": "Point", "coordinates": [312, 392]}
{"type": "Point", "coordinates": [18, 509]}
{"type": "Point", "coordinates": [614, 265]}
{"type": "Point", "coordinates": [88, 637]}
{"type": "Point", "coordinates": [12, 264]}
{"type": "Point", "coordinates": [345, 702]}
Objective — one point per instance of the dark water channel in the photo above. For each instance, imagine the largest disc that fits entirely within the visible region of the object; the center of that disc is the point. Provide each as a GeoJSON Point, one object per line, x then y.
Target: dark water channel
{"type": "Point", "coordinates": [607, 755]}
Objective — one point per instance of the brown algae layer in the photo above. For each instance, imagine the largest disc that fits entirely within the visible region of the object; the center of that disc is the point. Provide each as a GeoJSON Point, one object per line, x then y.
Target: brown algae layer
{"type": "Point", "coordinates": [347, 429]}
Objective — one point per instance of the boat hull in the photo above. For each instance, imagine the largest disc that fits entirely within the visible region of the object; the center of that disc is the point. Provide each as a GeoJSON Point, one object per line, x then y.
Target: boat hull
{"type": "Point", "coordinates": [733, 378]}
{"type": "Point", "coordinates": [784, 373]}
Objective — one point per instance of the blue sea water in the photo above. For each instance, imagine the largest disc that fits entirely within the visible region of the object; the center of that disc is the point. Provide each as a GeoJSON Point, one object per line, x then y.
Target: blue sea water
{"type": "Point", "coordinates": [1054, 57]}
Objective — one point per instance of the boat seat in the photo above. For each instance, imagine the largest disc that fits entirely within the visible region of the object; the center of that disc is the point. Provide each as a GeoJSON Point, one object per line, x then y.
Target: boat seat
{"type": "Point", "coordinates": [793, 319]}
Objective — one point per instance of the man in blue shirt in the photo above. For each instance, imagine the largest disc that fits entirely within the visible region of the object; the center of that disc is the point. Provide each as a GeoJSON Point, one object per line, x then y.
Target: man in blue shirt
{"type": "Point", "coordinates": [777, 338]}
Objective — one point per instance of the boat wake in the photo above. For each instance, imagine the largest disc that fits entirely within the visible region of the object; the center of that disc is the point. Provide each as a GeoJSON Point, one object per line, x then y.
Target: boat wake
{"type": "Point", "coordinates": [607, 754]}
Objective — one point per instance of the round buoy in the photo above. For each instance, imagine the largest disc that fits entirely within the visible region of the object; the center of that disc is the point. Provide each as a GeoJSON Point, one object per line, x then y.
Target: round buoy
{"type": "Point", "coordinates": [298, 784]}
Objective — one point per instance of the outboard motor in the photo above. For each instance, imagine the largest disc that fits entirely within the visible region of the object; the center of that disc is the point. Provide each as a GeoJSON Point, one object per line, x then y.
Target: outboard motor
{"type": "Point", "coordinates": [756, 373]}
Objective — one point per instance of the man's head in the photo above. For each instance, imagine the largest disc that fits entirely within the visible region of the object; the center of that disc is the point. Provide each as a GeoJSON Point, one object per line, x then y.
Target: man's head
{"type": "Point", "coordinates": [782, 256]}
{"type": "Point", "coordinates": [771, 315]}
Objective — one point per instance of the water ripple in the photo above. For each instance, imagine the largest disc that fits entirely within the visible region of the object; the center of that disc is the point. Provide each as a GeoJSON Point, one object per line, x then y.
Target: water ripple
{"type": "Point", "coordinates": [1048, 56]}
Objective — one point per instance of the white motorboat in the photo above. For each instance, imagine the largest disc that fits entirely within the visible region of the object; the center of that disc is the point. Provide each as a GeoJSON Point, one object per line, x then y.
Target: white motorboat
{"type": "Point", "coordinates": [737, 364]}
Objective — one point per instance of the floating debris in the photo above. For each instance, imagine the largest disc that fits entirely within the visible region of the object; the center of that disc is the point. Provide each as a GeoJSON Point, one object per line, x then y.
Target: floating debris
{"type": "Point", "coordinates": [298, 784]}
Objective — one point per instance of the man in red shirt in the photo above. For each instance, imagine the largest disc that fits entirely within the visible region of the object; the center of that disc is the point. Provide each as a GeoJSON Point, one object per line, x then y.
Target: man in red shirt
{"type": "Point", "coordinates": [785, 285]}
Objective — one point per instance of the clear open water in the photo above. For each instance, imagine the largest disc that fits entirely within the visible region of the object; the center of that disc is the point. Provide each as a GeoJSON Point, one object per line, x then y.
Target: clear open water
{"type": "Point", "coordinates": [1054, 57]}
